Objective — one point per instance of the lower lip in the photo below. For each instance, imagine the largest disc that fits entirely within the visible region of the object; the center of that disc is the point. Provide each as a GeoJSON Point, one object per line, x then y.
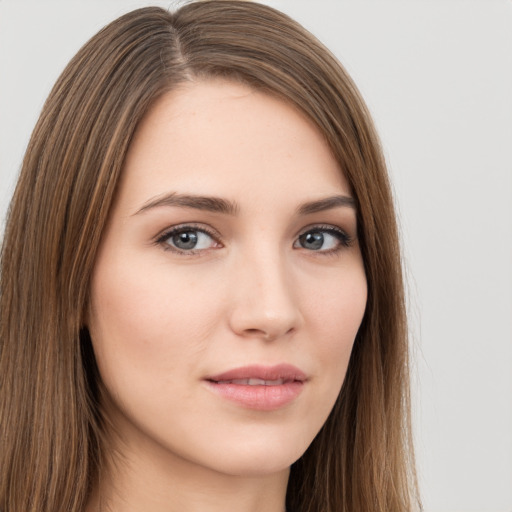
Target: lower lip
{"type": "Point", "coordinates": [261, 398]}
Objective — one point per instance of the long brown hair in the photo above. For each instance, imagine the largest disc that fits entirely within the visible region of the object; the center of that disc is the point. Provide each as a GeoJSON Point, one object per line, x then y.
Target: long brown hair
{"type": "Point", "coordinates": [51, 428]}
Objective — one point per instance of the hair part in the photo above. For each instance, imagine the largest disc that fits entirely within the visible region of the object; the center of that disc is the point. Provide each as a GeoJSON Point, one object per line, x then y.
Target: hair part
{"type": "Point", "coordinates": [50, 391]}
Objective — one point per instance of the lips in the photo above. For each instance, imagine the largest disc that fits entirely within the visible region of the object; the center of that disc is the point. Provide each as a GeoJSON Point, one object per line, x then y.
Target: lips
{"type": "Point", "coordinates": [283, 372]}
{"type": "Point", "coordinates": [255, 382]}
{"type": "Point", "coordinates": [264, 388]}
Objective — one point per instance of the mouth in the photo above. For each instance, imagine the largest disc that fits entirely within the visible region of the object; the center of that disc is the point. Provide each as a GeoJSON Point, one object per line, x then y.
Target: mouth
{"type": "Point", "coordinates": [263, 388]}
{"type": "Point", "coordinates": [253, 382]}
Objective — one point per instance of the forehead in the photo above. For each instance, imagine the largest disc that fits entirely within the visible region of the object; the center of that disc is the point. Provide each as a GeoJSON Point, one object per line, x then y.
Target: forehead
{"type": "Point", "coordinates": [221, 138]}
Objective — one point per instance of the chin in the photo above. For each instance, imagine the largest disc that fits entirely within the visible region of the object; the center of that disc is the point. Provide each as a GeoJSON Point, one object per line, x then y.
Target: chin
{"type": "Point", "coordinates": [261, 456]}
{"type": "Point", "coordinates": [256, 467]}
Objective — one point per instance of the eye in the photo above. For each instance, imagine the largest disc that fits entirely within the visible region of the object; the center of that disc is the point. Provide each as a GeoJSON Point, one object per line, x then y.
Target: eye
{"type": "Point", "coordinates": [323, 239]}
{"type": "Point", "coordinates": [187, 239]}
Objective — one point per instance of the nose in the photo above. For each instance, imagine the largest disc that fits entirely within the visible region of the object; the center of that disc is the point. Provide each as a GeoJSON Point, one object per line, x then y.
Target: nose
{"type": "Point", "coordinates": [264, 302]}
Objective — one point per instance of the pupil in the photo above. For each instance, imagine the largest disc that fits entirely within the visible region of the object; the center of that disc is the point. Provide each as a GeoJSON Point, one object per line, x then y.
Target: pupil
{"type": "Point", "coordinates": [187, 240]}
{"type": "Point", "coordinates": [312, 240]}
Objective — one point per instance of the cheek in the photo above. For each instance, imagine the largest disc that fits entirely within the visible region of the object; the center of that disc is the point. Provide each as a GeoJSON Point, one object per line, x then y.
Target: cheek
{"type": "Point", "coordinates": [146, 325]}
{"type": "Point", "coordinates": [338, 306]}
{"type": "Point", "coordinates": [334, 315]}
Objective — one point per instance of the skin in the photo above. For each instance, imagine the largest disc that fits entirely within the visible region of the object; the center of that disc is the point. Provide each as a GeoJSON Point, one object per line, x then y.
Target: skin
{"type": "Point", "coordinates": [253, 292]}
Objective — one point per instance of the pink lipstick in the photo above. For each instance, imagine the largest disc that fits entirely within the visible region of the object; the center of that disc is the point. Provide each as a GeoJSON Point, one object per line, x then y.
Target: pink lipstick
{"type": "Point", "coordinates": [264, 388]}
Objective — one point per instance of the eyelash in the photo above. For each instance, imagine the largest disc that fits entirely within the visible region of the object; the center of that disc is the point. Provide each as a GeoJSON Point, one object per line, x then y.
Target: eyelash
{"type": "Point", "coordinates": [345, 240]}
{"type": "Point", "coordinates": [184, 228]}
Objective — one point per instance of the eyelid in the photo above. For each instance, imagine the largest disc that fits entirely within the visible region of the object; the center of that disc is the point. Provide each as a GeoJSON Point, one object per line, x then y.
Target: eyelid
{"type": "Point", "coordinates": [324, 227]}
{"type": "Point", "coordinates": [345, 239]}
{"type": "Point", "coordinates": [164, 235]}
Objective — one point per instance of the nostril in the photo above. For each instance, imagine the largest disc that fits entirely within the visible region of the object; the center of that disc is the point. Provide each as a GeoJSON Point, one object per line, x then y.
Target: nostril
{"type": "Point", "coordinates": [259, 333]}
{"type": "Point", "coordinates": [254, 331]}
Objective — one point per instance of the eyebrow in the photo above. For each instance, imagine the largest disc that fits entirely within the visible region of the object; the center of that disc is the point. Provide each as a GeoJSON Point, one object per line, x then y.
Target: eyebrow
{"type": "Point", "coordinates": [206, 203]}
{"type": "Point", "coordinates": [326, 204]}
{"type": "Point", "coordinates": [219, 205]}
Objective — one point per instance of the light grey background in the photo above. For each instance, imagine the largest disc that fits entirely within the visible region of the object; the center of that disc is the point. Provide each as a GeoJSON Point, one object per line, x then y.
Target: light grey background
{"type": "Point", "coordinates": [437, 76]}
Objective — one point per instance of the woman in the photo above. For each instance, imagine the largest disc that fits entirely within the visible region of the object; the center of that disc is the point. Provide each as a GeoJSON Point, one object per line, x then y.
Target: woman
{"type": "Point", "coordinates": [202, 304]}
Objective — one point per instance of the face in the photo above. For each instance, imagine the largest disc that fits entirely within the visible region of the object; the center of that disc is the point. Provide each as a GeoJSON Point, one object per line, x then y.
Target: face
{"type": "Point", "coordinates": [229, 285]}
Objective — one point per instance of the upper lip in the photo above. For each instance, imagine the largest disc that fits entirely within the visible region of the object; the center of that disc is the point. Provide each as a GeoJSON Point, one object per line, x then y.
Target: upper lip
{"type": "Point", "coordinates": [284, 372]}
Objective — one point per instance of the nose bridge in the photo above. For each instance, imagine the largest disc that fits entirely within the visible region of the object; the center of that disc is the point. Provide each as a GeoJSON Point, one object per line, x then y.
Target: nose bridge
{"type": "Point", "coordinates": [264, 303]}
